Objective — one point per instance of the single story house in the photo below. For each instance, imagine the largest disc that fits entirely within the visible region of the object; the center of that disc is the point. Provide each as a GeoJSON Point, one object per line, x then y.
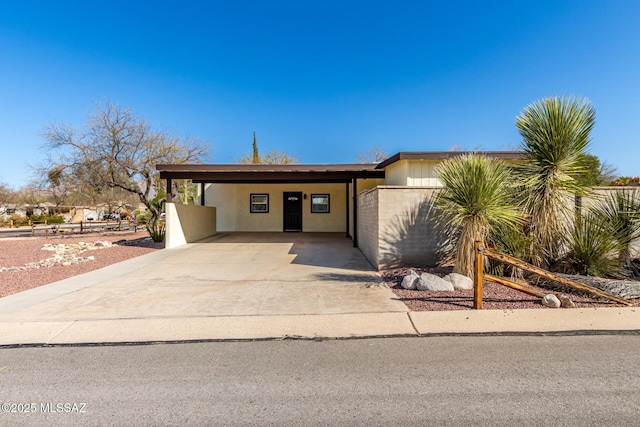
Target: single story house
{"type": "Point", "coordinates": [383, 208]}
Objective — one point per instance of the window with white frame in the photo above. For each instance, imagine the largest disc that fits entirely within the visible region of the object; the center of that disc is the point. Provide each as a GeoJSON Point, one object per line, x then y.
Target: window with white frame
{"type": "Point", "coordinates": [320, 203]}
{"type": "Point", "coordinates": [259, 203]}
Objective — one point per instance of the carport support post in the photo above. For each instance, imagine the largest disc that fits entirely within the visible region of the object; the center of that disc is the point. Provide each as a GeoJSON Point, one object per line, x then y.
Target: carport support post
{"type": "Point", "coordinates": [347, 204]}
{"type": "Point", "coordinates": [169, 196]}
{"type": "Point", "coordinates": [355, 212]}
{"type": "Point", "coordinates": [202, 194]}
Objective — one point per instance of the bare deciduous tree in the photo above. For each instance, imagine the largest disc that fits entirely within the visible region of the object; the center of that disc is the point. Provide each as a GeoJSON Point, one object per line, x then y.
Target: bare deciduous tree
{"type": "Point", "coordinates": [272, 157]}
{"type": "Point", "coordinates": [117, 149]}
{"type": "Point", "coordinates": [7, 197]}
{"type": "Point", "coordinates": [374, 154]}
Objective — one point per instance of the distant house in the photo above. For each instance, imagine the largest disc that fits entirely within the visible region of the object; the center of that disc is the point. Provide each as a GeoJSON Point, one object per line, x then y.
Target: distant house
{"type": "Point", "coordinates": [383, 208]}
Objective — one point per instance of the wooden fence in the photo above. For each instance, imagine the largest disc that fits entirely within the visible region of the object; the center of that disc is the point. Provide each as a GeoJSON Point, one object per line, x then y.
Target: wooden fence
{"type": "Point", "coordinates": [480, 275]}
{"type": "Point", "coordinates": [81, 227]}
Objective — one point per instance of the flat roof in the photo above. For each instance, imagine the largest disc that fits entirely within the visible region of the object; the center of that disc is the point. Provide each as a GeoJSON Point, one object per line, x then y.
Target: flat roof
{"type": "Point", "coordinates": [328, 173]}
{"type": "Point", "coordinates": [246, 173]}
{"type": "Point", "coordinates": [443, 155]}
{"type": "Point", "coordinates": [186, 167]}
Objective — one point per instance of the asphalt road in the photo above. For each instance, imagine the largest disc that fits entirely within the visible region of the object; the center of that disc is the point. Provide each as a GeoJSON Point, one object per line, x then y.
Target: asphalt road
{"type": "Point", "coordinates": [535, 380]}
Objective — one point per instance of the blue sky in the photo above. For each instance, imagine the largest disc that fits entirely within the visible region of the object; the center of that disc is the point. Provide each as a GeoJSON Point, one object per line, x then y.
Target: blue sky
{"type": "Point", "coordinates": [322, 80]}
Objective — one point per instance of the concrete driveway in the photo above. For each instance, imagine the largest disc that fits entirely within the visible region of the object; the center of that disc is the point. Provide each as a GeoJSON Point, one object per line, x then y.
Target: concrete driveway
{"type": "Point", "coordinates": [249, 276]}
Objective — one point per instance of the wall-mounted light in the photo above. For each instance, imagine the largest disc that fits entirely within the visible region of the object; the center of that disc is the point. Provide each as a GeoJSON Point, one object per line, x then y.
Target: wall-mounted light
{"type": "Point", "coordinates": [304, 196]}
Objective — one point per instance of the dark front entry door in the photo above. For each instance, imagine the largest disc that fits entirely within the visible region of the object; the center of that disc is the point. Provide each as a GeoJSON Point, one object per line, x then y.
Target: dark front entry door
{"type": "Point", "coordinates": [292, 211]}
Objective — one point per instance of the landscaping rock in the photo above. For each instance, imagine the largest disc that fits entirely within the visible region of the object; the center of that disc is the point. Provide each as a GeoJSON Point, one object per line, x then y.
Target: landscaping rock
{"type": "Point", "coordinates": [459, 281]}
{"type": "Point", "coordinates": [65, 255]}
{"type": "Point", "coordinates": [551, 301]}
{"type": "Point", "coordinates": [566, 302]}
{"type": "Point", "coordinates": [409, 281]}
{"type": "Point", "coordinates": [431, 282]}
{"type": "Point", "coordinates": [628, 289]}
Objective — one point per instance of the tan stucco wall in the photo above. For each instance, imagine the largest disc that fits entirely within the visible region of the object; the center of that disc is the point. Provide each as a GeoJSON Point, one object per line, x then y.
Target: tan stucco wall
{"type": "Point", "coordinates": [188, 223]}
{"type": "Point", "coordinates": [223, 197]}
{"type": "Point", "coordinates": [232, 202]}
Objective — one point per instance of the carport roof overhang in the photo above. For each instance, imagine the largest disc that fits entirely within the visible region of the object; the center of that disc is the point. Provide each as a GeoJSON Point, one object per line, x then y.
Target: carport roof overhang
{"type": "Point", "coordinates": [269, 174]}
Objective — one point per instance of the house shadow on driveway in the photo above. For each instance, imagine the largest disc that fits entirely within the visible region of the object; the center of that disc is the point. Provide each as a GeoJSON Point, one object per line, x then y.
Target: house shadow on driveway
{"type": "Point", "coordinates": [330, 250]}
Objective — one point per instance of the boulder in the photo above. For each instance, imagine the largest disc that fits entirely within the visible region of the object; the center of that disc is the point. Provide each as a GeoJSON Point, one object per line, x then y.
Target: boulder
{"type": "Point", "coordinates": [431, 282]}
{"type": "Point", "coordinates": [566, 302]}
{"type": "Point", "coordinates": [409, 281]}
{"type": "Point", "coordinates": [459, 281]}
{"type": "Point", "coordinates": [551, 301]}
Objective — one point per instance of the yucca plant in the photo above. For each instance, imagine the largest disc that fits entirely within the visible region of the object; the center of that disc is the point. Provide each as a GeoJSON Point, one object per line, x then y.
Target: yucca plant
{"type": "Point", "coordinates": [620, 211]}
{"type": "Point", "coordinates": [157, 233]}
{"type": "Point", "coordinates": [592, 249]}
{"type": "Point", "coordinates": [513, 242]}
{"type": "Point", "coordinates": [476, 197]}
{"type": "Point", "coordinates": [555, 134]}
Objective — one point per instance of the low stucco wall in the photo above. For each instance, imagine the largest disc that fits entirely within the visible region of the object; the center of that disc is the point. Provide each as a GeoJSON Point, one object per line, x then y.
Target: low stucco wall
{"type": "Point", "coordinates": [368, 233]}
{"type": "Point", "coordinates": [188, 223]}
{"type": "Point", "coordinates": [396, 227]}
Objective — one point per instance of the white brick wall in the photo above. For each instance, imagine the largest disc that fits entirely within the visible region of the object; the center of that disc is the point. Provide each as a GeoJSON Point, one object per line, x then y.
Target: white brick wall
{"type": "Point", "coordinates": [398, 228]}
{"type": "Point", "coordinates": [368, 225]}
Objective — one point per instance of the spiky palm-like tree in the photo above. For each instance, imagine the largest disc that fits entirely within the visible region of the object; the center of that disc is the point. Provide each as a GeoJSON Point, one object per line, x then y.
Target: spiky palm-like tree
{"type": "Point", "coordinates": [476, 197]}
{"type": "Point", "coordinates": [555, 134]}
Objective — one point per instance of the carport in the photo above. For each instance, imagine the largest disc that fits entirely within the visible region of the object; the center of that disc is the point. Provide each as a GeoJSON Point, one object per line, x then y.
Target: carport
{"type": "Point", "coordinates": [347, 174]}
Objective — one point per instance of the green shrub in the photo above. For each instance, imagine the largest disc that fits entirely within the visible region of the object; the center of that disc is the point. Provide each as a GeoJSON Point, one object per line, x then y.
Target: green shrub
{"type": "Point", "coordinates": [592, 248]}
{"type": "Point", "coordinates": [142, 219]}
{"type": "Point", "coordinates": [55, 219]}
{"type": "Point", "coordinates": [158, 234]}
{"type": "Point", "coordinates": [50, 219]}
{"type": "Point", "coordinates": [513, 242]}
{"type": "Point", "coordinates": [18, 219]}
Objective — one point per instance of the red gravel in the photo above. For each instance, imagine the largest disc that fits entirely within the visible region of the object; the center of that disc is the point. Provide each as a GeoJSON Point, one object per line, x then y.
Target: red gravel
{"type": "Point", "coordinates": [494, 296]}
{"type": "Point", "coordinates": [18, 252]}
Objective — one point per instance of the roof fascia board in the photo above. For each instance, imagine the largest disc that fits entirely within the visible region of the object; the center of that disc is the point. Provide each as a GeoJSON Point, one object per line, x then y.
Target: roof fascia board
{"type": "Point", "coordinates": [443, 155]}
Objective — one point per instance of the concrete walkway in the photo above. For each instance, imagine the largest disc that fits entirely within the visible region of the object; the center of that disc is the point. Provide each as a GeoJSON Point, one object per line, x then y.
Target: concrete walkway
{"type": "Point", "coordinates": [255, 286]}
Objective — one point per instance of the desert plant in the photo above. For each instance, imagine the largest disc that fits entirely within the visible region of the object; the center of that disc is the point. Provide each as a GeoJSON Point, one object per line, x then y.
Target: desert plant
{"type": "Point", "coordinates": [555, 134]}
{"type": "Point", "coordinates": [55, 219]}
{"type": "Point", "coordinates": [620, 211]}
{"type": "Point", "coordinates": [18, 219]}
{"type": "Point", "coordinates": [157, 233]}
{"type": "Point", "coordinates": [592, 249]}
{"type": "Point", "coordinates": [142, 219]}
{"type": "Point", "coordinates": [513, 242]}
{"type": "Point", "coordinates": [476, 197]}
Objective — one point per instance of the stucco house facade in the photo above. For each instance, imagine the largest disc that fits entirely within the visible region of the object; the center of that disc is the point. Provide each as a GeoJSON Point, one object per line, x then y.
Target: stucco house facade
{"type": "Point", "coordinates": [384, 208]}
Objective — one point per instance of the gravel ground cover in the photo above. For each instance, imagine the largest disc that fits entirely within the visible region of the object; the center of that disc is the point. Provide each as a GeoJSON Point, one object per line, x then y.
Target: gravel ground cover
{"type": "Point", "coordinates": [494, 296]}
{"type": "Point", "coordinates": [19, 252]}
